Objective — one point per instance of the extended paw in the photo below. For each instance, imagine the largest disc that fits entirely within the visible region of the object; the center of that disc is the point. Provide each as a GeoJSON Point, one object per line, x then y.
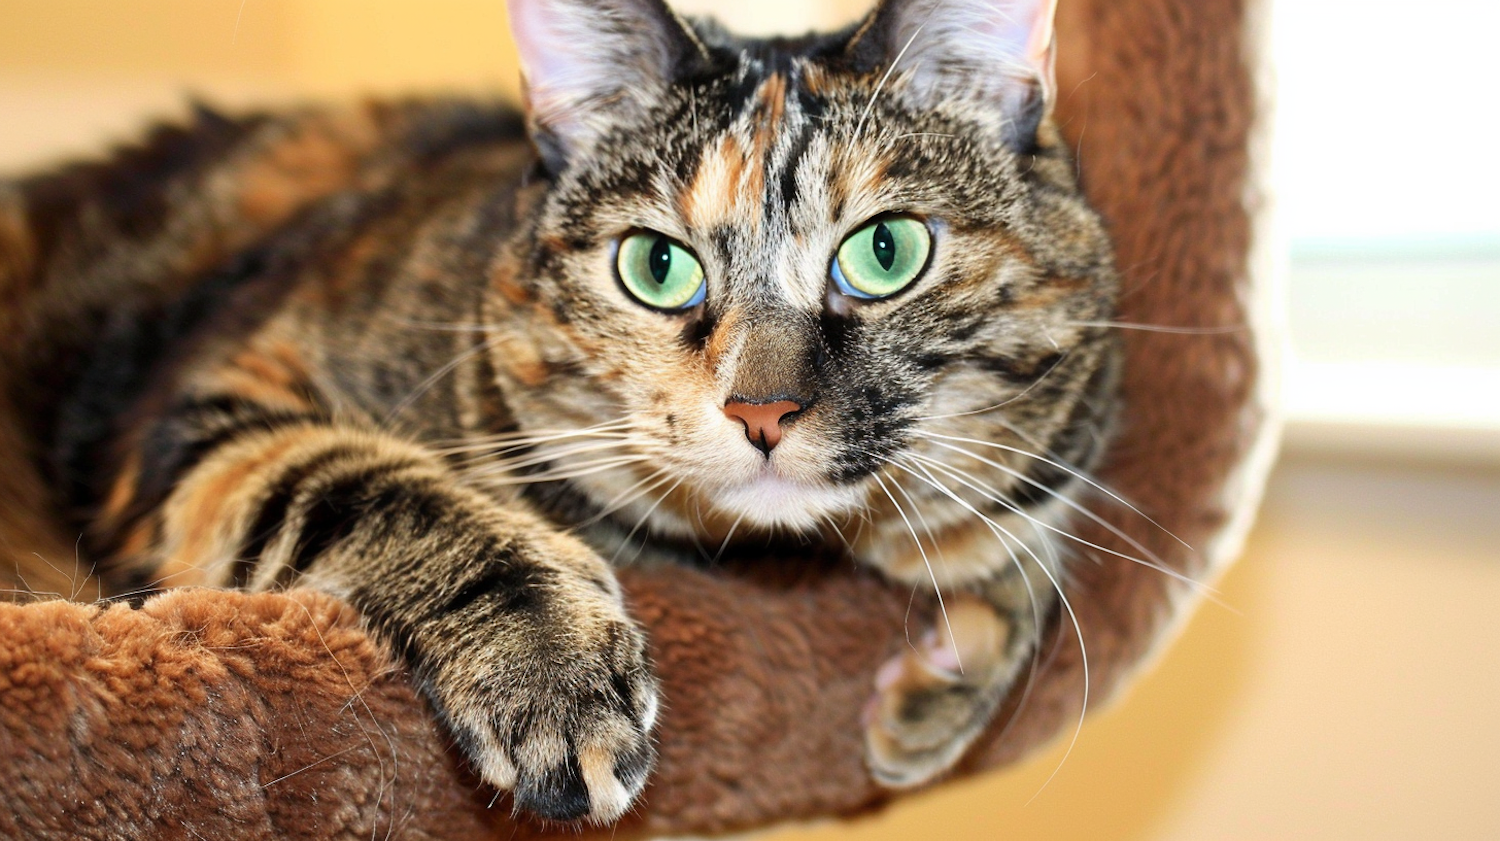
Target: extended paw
{"type": "Point", "coordinates": [555, 704]}
{"type": "Point", "coordinates": [932, 702]}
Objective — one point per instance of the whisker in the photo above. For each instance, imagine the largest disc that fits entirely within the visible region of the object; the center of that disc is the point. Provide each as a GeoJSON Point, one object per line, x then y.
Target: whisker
{"type": "Point", "coordinates": [921, 520]}
{"type": "Point", "coordinates": [833, 526]}
{"type": "Point", "coordinates": [938, 591]}
{"type": "Point", "coordinates": [1067, 606]}
{"type": "Point", "coordinates": [626, 496]}
{"type": "Point", "coordinates": [491, 451]}
{"type": "Point", "coordinates": [571, 472]}
{"type": "Point", "coordinates": [1005, 402]}
{"type": "Point", "coordinates": [521, 438]}
{"type": "Point", "coordinates": [1164, 328]}
{"type": "Point", "coordinates": [1036, 619]}
{"type": "Point", "coordinates": [432, 379]}
{"type": "Point", "coordinates": [1060, 466]}
{"type": "Point", "coordinates": [641, 522]}
{"type": "Point", "coordinates": [1155, 563]}
{"type": "Point", "coordinates": [532, 459]}
{"type": "Point", "coordinates": [859, 127]}
{"type": "Point", "coordinates": [727, 537]}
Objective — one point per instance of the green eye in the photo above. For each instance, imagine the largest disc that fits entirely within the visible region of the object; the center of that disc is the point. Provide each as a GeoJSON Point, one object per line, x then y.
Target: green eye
{"type": "Point", "coordinates": [660, 272]}
{"type": "Point", "coordinates": [882, 258]}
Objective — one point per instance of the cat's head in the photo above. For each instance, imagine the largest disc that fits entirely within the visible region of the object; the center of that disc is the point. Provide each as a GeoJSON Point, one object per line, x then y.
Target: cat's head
{"type": "Point", "coordinates": [797, 281]}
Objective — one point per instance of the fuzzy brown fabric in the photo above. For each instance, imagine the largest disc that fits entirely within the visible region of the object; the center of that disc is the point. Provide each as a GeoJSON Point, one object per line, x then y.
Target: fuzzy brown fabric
{"type": "Point", "coordinates": [227, 715]}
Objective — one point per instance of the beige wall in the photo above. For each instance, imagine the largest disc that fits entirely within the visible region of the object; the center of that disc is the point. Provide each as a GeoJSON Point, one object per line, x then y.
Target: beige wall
{"type": "Point", "coordinates": [1348, 689]}
{"type": "Point", "coordinates": [74, 73]}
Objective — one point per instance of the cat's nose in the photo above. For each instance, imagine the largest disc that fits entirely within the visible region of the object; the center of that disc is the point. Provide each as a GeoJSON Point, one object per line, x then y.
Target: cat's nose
{"type": "Point", "coordinates": [762, 420]}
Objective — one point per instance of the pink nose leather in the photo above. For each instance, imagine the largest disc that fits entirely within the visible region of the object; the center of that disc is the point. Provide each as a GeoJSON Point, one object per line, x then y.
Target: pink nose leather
{"type": "Point", "coordinates": [762, 420]}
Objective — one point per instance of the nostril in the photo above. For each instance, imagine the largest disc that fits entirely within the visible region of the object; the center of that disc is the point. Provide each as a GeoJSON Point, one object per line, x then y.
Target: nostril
{"type": "Point", "coordinates": [762, 420]}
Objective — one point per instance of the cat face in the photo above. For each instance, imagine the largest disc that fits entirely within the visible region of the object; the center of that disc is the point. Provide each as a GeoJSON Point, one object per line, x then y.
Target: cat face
{"type": "Point", "coordinates": [799, 284]}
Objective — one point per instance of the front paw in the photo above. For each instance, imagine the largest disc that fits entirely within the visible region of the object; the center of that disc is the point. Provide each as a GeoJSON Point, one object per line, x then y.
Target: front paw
{"type": "Point", "coordinates": [551, 695]}
{"type": "Point", "coordinates": [932, 702]}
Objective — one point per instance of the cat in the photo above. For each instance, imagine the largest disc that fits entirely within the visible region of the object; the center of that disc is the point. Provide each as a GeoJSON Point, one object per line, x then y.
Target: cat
{"type": "Point", "coordinates": [448, 360]}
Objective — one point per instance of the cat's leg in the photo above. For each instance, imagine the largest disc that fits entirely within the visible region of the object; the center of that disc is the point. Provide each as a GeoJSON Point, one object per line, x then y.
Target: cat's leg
{"type": "Point", "coordinates": [515, 631]}
{"type": "Point", "coordinates": [934, 699]}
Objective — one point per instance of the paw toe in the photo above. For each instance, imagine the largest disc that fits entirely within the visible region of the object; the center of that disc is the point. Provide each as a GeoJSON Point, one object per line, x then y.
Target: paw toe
{"type": "Point", "coordinates": [558, 793]}
{"type": "Point", "coordinates": [932, 701]}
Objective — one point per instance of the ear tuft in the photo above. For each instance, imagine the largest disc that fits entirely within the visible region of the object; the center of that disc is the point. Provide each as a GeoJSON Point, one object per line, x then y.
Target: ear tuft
{"type": "Point", "coordinates": [996, 51]}
{"type": "Point", "coordinates": [589, 65]}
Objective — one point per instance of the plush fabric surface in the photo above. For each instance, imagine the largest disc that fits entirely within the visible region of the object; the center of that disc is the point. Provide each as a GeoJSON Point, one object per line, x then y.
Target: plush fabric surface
{"type": "Point", "coordinates": [227, 715]}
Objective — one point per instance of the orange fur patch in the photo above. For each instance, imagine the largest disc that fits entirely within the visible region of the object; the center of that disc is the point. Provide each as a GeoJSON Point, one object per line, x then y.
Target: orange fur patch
{"type": "Point", "coordinates": [521, 359]}
{"type": "Point", "coordinates": [312, 162]}
{"type": "Point", "coordinates": [504, 282]}
{"type": "Point", "coordinates": [726, 177]}
{"type": "Point", "coordinates": [216, 493]}
{"type": "Point", "coordinates": [274, 376]}
{"type": "Point", "coordinates": [770, 107]}
{"type": "Point", "coordinates": [17, 262]}
{"type": "Point", "coordinates": [122, 492]}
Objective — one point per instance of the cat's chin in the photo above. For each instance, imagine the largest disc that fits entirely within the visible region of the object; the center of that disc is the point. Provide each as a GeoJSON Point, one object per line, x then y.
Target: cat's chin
{"type": "Point", "coordinates": [773, 502]}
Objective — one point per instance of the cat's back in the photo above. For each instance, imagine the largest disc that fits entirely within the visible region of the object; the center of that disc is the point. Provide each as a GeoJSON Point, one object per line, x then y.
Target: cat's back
{"type": "Point", "coordinates": [156, 234]}
{"type": "Point", "coordinates": [143, 225]}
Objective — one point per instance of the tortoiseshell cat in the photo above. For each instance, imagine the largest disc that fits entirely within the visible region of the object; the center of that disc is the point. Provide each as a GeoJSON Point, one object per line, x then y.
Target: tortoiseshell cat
{"type": "Point", "coordinates": [445, 361]}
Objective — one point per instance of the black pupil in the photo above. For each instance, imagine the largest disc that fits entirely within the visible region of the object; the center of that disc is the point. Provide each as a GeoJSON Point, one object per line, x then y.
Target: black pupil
{"type": "Point", "coordinates": [661, 259]}
{"type": "Point", "coordinates": [884, 246]}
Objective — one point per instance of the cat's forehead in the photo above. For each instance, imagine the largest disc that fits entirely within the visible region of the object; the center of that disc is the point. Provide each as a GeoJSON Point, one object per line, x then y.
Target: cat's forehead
{"type": "Point", "coordinates": [769, 189]}
{"type": "Point", "coordinates": [775, 133]}
{"type": "Point", "coordinates": [743, 169]}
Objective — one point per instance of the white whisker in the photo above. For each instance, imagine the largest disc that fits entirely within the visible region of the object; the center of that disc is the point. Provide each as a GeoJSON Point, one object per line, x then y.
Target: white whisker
{"type": "Point", "coordinates": [1005, 402]}
{"type": "Point", "coordinates": [1164, 328]}
{"type": "Point", "coordinates": [627, 496]}
{"type": "Point", "coordinates": [1155, 563]}
{"type": "Point", "coordinates": [938, 591]}
{"type": "Point", "coordinates": [859, 128]}
{"type": "Point", "coordinates": [522, 438]}
{"type": "Point", "coordinates": [1036, 619]}
{"type": "Point", "coordinates": [642, 521]}
{"type": "Point", "coordinates": [432, 379]}
{"type": "Point", "coordinates": [543, 456]}
{"type": "Point", "coordinates": [1067, 606]}
{"type": "Point", "coordinates": [1060, 466]}
{"type": "Point", "coordinates": [921, 520]}
{"type": "Point", "coordinates": [727, 537]}
{"type": "Point", "coordinates": [578, 471]}
{"type": "Point", "coordinates": [490, 451]}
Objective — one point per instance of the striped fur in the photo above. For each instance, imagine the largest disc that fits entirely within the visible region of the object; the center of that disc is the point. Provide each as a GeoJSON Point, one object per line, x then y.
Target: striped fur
{"type": "Point", "coordinates": [382, 352]}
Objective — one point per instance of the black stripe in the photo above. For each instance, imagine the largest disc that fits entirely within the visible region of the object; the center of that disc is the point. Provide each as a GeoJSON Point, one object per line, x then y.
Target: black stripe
{"type": "Point", "coordinates": [339, 508]}
{"type": "Point", "coordinates": [325, 524]}
{"type": "Point", "coordinates": [788, 180]}
{"type": "Point", "coordinates": [506, 583]}
{"type": "Point", "coordinates": [122, 362]}
{"type": "Point", "coordinates": [274, 509]}
{"type": "Point", "coordinates": [176, 446]}
{"type": "Point", "coordinates": [1019, 371]}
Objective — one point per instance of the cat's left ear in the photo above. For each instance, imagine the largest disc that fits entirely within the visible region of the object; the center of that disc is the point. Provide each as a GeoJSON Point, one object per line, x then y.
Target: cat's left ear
{"type": "Point", "coordinates": [995, 53]}
{"type": "Point", "coordinates": [591, 65]}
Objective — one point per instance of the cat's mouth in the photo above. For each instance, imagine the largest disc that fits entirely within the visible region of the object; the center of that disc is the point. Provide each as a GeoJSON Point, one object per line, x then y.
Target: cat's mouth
{"type": "Point", "coordinates": [769, 499]}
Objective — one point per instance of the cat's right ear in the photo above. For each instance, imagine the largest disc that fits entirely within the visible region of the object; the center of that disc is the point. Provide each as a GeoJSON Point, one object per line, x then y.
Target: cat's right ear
{"type": "Point", "coordinates": [590, 65]}
{"type": "Point", "coordinates": [995, 54]}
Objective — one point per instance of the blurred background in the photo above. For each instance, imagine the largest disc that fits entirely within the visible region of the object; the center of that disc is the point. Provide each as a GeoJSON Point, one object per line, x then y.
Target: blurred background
{"type": "Point", "coordinates": [1348, 686]}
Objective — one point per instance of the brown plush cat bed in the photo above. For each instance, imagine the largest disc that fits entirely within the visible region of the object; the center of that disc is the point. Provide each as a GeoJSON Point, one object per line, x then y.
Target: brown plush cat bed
{"type": "Point", "coordinates": [225, 715]}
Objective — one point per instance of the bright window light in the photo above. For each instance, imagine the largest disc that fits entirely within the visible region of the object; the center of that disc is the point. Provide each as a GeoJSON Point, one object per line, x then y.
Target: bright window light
{"type": "Point", "coordinates": [1385, 175]}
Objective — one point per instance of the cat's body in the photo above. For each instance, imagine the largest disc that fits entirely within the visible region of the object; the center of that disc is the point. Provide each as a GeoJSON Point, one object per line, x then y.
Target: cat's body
{"type": "Point", "coordinates": [392, 353]}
